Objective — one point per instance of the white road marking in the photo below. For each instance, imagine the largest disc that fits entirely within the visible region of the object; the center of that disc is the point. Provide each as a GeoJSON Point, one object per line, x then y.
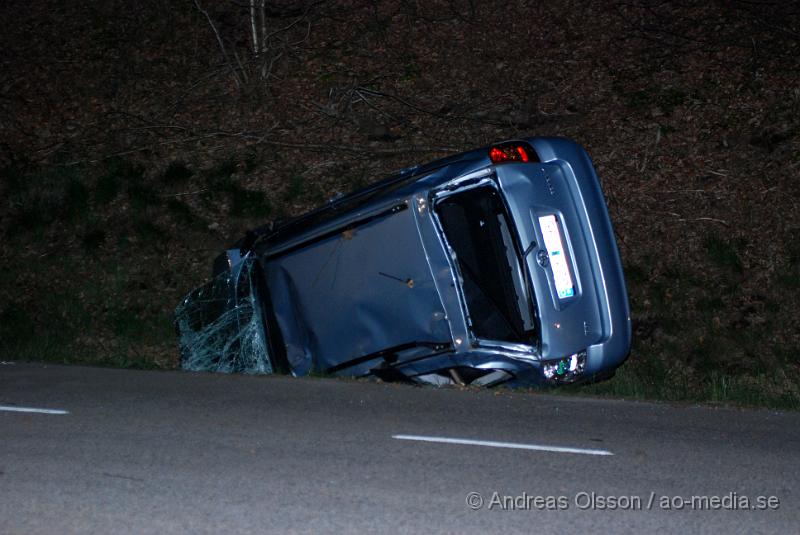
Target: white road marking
{"type": "Point", "coordinates": [493, 444]}
{"type": "Point", "coordinates": [10, 408]}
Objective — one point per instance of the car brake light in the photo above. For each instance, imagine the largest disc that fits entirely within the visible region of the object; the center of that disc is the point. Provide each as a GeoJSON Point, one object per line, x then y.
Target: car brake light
{"type": "Point", "coordinates": [512, 152]}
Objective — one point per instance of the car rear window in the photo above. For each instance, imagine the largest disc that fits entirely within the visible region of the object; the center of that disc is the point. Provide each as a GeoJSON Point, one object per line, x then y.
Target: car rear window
{"type": "Point", "coordinates": [478, 229]}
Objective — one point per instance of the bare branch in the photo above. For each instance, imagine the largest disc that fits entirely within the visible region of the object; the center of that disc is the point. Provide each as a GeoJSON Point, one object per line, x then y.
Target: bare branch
{"type": "Point", "coordinates": [221, 43]}
{"type": "Point", "coordinates": [263, 23]}
{"type": "Point", "coordinates": [253, 25]}
{"type": "Point", "coordinates": [259, 138]}
{"type": "Point", "coordinates": [244, 75]}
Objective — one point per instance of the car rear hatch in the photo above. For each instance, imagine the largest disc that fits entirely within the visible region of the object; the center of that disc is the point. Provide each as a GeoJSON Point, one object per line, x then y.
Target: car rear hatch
{"type": "Point", "coordinates": [561, 255]}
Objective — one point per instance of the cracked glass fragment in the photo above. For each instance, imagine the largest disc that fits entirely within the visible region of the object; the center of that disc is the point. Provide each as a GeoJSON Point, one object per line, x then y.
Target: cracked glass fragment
{"type": "Point", "coordinates": [220, 325]}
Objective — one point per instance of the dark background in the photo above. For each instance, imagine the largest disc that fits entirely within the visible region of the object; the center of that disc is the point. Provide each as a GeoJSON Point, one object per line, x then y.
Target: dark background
{"type": "Point", "coordinates": [139, 138]}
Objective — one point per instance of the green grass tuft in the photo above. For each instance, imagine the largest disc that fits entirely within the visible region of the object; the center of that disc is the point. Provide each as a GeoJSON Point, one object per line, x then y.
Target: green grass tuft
{"type": "Point", "coordinates": [723, 254]}
{"type": "Point", "coordinates": [93, 239]}
{"type": "Point", "coordinates": [249, 203]}
{"type": "Point", "coordinates": [142, 196]}
{"type": "Point", "coordinates": [176, 173]}
{"type": "Point", "coordinates": [295, 189]}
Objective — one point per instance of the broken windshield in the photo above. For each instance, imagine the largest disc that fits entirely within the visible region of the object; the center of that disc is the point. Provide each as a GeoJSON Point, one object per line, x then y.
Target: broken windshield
{"type": "Point", "coordinates": [478, 230]}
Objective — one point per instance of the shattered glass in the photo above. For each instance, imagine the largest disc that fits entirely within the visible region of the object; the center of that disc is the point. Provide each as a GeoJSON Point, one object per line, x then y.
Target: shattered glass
{"type": "Point", "coordinates": [220, 325]}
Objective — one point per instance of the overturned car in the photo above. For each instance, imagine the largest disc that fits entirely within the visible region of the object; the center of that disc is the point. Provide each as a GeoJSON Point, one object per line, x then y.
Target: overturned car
{"type": "Point", "coordinates": [497, 265]}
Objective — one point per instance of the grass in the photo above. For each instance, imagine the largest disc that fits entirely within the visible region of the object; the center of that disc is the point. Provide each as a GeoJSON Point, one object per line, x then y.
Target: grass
{"type": "Point", "coordinates": [723, 254]}
{"type": "Point", "coordinates": [40, 197]}
{"type": "Point", "coordinates": [294, 191]}
{"type": "Point", "coordinates": [177, 173]}
{"type": "Point", "coordinates": [666, 99]}
{"type": "Point", "coordinates": [219, 176]}
{"type": "Point", "coordinates": [763, 390]}
{"type": "Point", "coordinates": [93, 239]}
{"type": "Point", "coordinates": [701, 336]}
{"type": "Point", "coordinates": [142, 195]}
{"type": "Point", "coordinates": [77, 311]}
{"type": "Point", "coordinates": [148, 231]}
{"type": "Point", "coordinates": [244, 203]}
{"type": "Point", "coordinates": [107, 189]}
{"type": "Point", "coordinates": [45, 331]}
{"type": "Point", "coordinates": [92, 321]}
{"type": "Point", "coordinates": [249, 203]}
{"type": "Point", "coordinates": [110, 182]}
{"type": "Point", "coordinates": [183, 215]}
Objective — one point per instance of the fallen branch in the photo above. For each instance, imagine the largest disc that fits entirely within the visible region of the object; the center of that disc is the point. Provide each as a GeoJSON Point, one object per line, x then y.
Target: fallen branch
{"type": "Point", "coordinates": [221, 43]}
{"type": "Point", "coordinates": [702, 218]}
{"type": "Point", "coordinates": [184, 193]}
{"type": "Point", "coordinates": [254, 137]}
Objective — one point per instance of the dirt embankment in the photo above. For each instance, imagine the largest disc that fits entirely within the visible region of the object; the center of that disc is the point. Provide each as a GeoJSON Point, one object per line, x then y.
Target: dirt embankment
{"type": "Point", "coordinates": [138, 138]}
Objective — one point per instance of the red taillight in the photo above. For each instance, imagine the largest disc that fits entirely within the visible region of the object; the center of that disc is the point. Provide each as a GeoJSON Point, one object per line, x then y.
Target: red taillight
{"type": "Point", "coordinates": [497, 155]}
{"type": "Point", "coordinates": [512, 152]}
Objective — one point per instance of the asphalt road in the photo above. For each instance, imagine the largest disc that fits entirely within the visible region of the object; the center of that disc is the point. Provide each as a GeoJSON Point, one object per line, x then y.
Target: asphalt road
{"type": "Point", "coordinates": [171, 452]}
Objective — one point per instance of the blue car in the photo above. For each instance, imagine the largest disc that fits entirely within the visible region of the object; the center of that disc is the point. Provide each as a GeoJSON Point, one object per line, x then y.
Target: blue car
{"type": "Point", "coordinates": [494, 266]}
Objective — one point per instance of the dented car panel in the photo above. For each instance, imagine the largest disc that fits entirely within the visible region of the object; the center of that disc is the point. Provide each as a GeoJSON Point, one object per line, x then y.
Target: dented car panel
{"type": "Point", "coordinates": [497, 265]}
{"type": "Point", "coordinates": [357, 292]}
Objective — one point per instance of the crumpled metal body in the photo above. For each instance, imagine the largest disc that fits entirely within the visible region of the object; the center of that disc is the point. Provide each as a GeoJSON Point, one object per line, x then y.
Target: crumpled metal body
{"type": "Point", "coordinates": [458, 271]}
